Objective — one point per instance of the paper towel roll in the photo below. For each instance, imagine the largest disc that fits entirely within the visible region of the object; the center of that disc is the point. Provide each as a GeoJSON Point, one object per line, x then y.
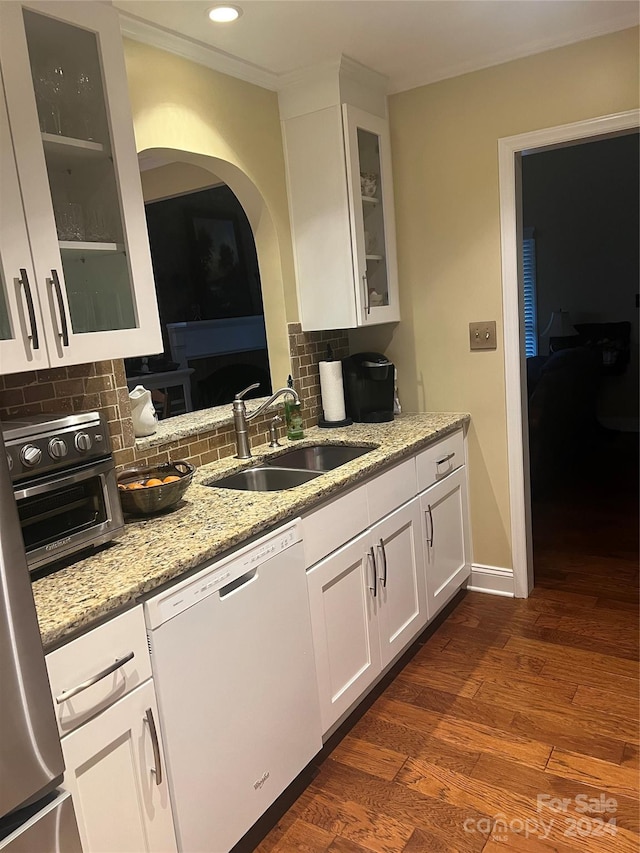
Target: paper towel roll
{"type": "Point", "coordinates": [332, 391]}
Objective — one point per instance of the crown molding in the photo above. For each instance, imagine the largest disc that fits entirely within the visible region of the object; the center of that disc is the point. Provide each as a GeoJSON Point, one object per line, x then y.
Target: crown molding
{"type": "Point", "coordinates": [138, 30]}
{"type": "Point", "coordinates": [342, 66]}
{"type": "Point", "coordinates": [622, 22]}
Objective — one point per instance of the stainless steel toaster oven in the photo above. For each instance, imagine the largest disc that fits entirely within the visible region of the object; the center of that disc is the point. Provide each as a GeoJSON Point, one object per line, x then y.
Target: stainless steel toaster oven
{"type": "Point", "coordinates": [64, 483]}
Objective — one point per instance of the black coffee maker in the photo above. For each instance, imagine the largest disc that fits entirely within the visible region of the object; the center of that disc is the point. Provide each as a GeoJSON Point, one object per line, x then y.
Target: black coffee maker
{"type": "Point", "coordinates": [368, 387]}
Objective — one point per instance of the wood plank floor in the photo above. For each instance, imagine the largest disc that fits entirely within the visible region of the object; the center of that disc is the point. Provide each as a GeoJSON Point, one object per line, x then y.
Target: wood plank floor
{"type": "Point", "coordinates": [515, 725]}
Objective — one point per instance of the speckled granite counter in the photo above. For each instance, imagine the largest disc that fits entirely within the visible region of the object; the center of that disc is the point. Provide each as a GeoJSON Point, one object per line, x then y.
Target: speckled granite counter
{"type": "Point", "coordinates": [209, 521]}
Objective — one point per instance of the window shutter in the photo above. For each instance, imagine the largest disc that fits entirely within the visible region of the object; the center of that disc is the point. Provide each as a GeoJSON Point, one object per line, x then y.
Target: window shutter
{"type": "Point", "coordinates": [529, 285]}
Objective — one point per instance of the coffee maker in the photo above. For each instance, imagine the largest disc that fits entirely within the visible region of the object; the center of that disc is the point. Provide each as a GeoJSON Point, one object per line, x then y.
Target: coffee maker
{"type": "Point", "coordinates": [368, 387]}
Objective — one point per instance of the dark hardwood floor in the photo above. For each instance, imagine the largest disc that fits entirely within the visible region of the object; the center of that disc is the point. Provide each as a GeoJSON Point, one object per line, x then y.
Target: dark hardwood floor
{"type": "Point", "coordinates": [515, 725]}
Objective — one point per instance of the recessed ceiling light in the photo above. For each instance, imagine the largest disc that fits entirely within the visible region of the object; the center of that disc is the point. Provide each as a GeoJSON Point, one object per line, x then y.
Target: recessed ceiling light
{"type": "Point", "coordinates": [225, 14]}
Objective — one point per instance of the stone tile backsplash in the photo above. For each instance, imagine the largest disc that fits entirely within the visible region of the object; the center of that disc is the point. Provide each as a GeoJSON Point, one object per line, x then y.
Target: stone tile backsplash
{"type": "Point", "coordinates": [102, 386]}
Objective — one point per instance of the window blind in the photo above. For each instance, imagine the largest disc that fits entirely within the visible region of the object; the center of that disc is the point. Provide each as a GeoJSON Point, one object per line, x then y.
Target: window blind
{"type": "Point", "coordinates": [529, 285]}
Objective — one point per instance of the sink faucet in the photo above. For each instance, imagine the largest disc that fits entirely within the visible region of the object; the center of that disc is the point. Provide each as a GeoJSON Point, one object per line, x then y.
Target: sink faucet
{"type": "Point", "coordinates": [240, 416]}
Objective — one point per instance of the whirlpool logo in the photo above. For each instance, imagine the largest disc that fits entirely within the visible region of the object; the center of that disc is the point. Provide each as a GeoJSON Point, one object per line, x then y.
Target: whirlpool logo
{"type": "Point", "coordinates": [260, 782]}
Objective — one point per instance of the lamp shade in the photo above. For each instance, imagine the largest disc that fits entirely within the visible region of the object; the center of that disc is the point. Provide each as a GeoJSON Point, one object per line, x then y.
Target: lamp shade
{"type": "Point", "coordinates": [560, 325]}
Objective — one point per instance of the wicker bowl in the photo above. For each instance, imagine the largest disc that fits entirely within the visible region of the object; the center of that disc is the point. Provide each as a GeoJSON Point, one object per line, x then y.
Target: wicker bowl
{"type": "Point", "coordinates": [152, 499]}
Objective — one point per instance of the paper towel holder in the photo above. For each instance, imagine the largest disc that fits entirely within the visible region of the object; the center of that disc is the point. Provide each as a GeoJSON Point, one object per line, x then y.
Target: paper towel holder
{"type": "Point", "coordinates": [331, 424]}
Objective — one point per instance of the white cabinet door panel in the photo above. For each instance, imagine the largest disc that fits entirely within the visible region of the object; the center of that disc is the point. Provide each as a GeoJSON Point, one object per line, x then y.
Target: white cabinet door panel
{"type": "Point", "coordinates": [22, 341]}
{"type": "Point", "coordinates": [402, 606]}
{"type": "Point", "coordinates": [112, 775]}
{"type": "Point", "coordinates": [447, 552]}
{"type": "Point", "coordinates": [345, 630]}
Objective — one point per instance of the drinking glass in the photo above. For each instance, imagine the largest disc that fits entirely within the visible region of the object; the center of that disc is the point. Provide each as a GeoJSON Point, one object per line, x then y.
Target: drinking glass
{"type": "Point", "coordinates": [85, 92]}
{"type": "Point", "coordinates": [69, 221]}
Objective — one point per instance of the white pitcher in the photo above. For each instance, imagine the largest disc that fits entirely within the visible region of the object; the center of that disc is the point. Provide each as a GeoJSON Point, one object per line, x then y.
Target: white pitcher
{"type": "Point", "coordinates": [143, 414]}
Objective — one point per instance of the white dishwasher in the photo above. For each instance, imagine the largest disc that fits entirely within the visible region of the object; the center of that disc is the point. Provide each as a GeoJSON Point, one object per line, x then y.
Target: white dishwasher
{"type": "Point", "coordinates": [234, 671]}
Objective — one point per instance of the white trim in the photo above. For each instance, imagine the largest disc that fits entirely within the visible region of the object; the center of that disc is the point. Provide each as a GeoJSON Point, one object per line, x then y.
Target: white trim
{"type": "Point", "coordinates": [510, 54]}
{"type": "Point", "coordinates": [138, 30]}
{"type": "Point", "coordinates": [510, 149]}
{"type": "Point", "coordinates": [491, 579]}
{"type": "Point", "coordinates": [212, 57]}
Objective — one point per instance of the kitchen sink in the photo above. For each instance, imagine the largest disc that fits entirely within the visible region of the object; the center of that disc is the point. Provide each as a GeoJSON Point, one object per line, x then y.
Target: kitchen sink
{"type": "Point", "coordinates": [318, 457]}
{"type": "Point", "coordinates": [265, 479]}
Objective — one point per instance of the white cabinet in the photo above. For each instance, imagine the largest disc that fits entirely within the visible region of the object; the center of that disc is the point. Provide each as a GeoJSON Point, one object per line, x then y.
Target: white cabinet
{"type": "Point", "coordinates": [114, 761]}
{"type": "Point", "coordinates": [85, 290]}
{"type": "Point", "coordinates": [367, 603]}
{"type": "Point", "coordinates": [446, 536]}
{"type": "Point", "coordinates": [345, 627]}
{"type": "Point", "coordinates": [341, 203]}
{"type": "Point", "coordinates": [401, 603]}
{"type": "Point", "coordinates": [115, 772]}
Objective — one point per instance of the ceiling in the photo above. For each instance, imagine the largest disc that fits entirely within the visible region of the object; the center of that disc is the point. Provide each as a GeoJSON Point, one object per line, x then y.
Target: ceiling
{"type": "Point", "coordinates": [412, 42]}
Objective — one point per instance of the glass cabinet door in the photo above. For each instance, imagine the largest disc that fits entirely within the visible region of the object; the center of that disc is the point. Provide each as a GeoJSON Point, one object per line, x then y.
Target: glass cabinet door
{"type": "Point", "coordinates": [373, 218]}
{"type": "Point", "coordinates": [369, 174]}
{"type": "Point", "coordinates": [22, 344]}
{"type": "Point", "coordinates": [74, 149]}
{"type": "Point", "coordinates": [70, 99]}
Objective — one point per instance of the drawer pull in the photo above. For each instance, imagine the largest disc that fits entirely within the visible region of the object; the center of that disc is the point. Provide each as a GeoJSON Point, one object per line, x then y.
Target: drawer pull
{"type": "Point", "coordinates": [67, 694]}
{"type": "Point", "coordinates": [445, 458]}
{"type": "Point", "coordinates": [157, 769]}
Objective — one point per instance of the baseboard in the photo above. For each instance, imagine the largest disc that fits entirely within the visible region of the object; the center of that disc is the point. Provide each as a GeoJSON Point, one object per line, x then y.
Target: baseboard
{"type": "Point", "coordinates": [491, 579]}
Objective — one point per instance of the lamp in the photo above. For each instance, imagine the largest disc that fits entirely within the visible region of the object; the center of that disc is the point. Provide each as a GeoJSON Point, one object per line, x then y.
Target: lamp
{"type": "Point", "coordinates": [559, 326]}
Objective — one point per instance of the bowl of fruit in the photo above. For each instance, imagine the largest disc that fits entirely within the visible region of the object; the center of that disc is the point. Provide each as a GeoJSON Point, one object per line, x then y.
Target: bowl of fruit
{"type": "Point", "coordinates": [149, 489]}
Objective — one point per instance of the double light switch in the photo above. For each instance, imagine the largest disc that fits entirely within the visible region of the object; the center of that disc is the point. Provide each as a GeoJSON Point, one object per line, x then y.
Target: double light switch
{"type": "Point", "coordinates": [483, 335]}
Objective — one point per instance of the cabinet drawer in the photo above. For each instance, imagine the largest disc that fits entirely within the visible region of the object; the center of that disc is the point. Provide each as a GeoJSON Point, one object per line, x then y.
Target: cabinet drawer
{"type": "Point", "coordinates": [390, 490]}
{"type": "Point", "coordinates": [121, 639]}
{"type": "Point", "coordinates": [440, 459]}
{"type": "Point", "coordinates": [333, 524]}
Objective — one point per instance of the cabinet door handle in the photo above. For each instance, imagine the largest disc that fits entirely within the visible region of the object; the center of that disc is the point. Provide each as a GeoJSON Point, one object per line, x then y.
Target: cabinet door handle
{"type": "Point", "coordinates": [24, 281]}
{"type": "Point", "coordinates": [429, 514]}
{"type": "Point", "coordinates": [64, 334]}
{"type": "Point", "coordinates": [155, 743]}
{"type": "Point", "coordinates": [366, 293]}
{"type": "Point", "coordinates": [374, 588]}
{"type": "Point", "coordinates": [445, 458]}
{"type": "Point", "coordinates": [67, 694]}
{"type": "Point", "coordinates": [384, 563]}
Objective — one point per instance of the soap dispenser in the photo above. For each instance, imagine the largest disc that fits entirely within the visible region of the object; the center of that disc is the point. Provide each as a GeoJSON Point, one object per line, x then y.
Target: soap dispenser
{"type": "Point", "coordinates": [293, 415]}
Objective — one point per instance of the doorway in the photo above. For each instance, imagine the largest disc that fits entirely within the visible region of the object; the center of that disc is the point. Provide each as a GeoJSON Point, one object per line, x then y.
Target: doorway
{"type": "Point", "coordinates": [580, 214]}
{"type": "Point", "coordinates": [510, 152]}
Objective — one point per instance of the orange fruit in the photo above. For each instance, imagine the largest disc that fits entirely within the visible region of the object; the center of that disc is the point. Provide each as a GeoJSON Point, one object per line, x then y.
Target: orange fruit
{"type": "Point", "coordinates": [135, 486]}
{"type": "Point", "coordinates": [153, 482]}
{"type": "Point", "coordinates": [171, 479]}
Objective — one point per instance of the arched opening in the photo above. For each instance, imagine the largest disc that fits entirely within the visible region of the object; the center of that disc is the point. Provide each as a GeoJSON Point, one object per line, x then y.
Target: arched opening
{"type": "Point", "coordinates": [224, 326]}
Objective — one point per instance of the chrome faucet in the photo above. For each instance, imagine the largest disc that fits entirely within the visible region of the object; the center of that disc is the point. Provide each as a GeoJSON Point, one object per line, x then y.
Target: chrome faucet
{"type": "Point", "coordinates": [240, 416]}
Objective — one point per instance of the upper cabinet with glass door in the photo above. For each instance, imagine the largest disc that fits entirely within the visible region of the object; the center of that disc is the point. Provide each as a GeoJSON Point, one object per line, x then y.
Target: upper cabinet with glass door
{"type": "Point", "coordinates": [338, 160]}
{"type": "Point", "coordinates": [72, 138]}
{"type": "Point", "coordinates": [368, 158]}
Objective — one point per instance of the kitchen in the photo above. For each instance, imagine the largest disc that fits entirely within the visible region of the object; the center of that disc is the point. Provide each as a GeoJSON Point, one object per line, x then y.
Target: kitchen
{"type": "Point", "coordinates": [166, 106]}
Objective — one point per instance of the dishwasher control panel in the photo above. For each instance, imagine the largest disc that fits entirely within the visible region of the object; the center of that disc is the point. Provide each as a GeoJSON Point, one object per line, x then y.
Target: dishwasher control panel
{"type": "Point", "coordinates": [219, 574]}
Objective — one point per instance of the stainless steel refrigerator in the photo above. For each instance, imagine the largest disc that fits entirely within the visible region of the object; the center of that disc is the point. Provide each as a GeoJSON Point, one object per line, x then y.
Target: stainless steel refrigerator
{"type": "Point", "coordinates": [34, 815]}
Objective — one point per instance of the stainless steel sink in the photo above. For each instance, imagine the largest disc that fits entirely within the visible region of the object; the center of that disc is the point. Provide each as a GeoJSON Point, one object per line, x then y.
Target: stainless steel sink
{"type": "Point", "coordinates": [265, 479]}
{"type": "Point", "coordinates": [318, 457]}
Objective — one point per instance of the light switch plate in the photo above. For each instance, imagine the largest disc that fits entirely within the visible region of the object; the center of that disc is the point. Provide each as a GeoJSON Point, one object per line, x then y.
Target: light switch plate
{"type": "Point", "coordinates": [483, 335]}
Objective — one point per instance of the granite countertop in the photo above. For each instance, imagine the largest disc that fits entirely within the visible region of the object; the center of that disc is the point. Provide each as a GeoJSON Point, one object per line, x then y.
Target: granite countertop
{"type": "Point", "coordinates": [210, 521]}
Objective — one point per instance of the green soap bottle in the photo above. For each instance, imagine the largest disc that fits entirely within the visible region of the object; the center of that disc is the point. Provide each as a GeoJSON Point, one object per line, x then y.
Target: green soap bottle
{"type": "Point", "coordinates": [293, 416]}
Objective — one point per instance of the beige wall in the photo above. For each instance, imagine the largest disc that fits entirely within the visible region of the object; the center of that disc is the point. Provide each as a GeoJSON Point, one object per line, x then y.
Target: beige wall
{"type": "Point", "coordinates": [444, 139]}
{"type": "Point", "coordinates": [182, 110]}
{"type": "Point", "coordinates": [175, 179]}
